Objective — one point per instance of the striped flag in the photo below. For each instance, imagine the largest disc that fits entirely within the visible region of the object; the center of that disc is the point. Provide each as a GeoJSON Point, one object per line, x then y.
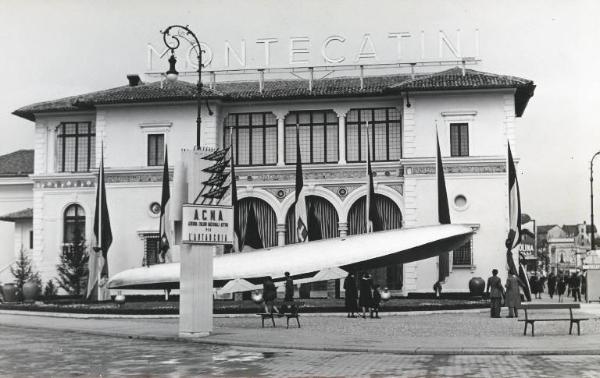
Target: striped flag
{"type": "Point", "coordinates": [372, 216]}
{"type": "Point", "coordinates": [514, 213]}
{"type": "Point", "coordinates": [165, 229]}
{"type": "Point", "coordinates": [443, 210]}
{"type": "Point", "coordinates": [237, 247]}
{"type": "Point", "coordinates": [300, 204]}
{"type": "Point", "coordinates": [98, 263]}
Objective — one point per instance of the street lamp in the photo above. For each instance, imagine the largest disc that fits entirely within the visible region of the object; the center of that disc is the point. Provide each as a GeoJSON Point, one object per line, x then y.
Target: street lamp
{"type": "Point", "coordinates": [592, 197]}
{"type": "Point", "coordinates": [172, 42]}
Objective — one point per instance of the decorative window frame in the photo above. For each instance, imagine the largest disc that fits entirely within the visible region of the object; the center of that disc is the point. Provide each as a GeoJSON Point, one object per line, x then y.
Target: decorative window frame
{"type": "Point", "coordinates": [475, 227]}
{"type": "Point", "coordinates": [163, 128]}
{"type": "Point", "coordinates": [457, 116]}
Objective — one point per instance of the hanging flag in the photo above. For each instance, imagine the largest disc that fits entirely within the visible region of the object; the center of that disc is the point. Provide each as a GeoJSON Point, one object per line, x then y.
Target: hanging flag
{"type": "Point", "coordinates": [165, 228]}
{"type": "Point", "coordinates": [300, 204]}
{"type": "Point", "coordinates": [443, 210]}
{"type": "Point", "coordinates": [98, 263]}
{"type": "Point", "coordinates": [237, 247]}
{"type": "Point", "coordinates": [372, 216]}
{"type": "Point", "coordinates": [314, 231]}
{"type": "Point", "coordinates": [514, 213]}
{"type": "Point", "coordinates": [252, 238]}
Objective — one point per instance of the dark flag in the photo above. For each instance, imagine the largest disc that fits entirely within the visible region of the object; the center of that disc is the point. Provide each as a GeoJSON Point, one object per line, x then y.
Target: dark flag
{"type": "Point", "coordinates": [98, 263]}
{"type": "Point", "coordinates": [237, 247]}
{"type": "Point", "coordinates": [443, 210]}
{"type": "Point", "coordinates": [252, 238]}
{"type": "Point", "coordinates": [314, 231]}
{"type": "Point", "coordinates": [300, 204]}
{"type": "Point", "coordinates": [164, 229]}
{"type": "Point", "coordinates": [372, 216]}
{"type": "Point", "coordinates": [514, 213]}
{"type": "Point", "coordinates": [514, 220]}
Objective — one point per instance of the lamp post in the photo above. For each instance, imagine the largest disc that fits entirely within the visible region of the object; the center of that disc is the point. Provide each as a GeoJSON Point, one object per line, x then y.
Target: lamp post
{"type": "Point", "coordinates": [172, 42]}
{"type": "Point", "coordinates": [592, 197]}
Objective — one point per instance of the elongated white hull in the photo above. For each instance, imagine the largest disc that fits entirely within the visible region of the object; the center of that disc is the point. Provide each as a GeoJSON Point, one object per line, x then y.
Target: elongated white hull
{"type": "Point", "coordinates": [354, 253]}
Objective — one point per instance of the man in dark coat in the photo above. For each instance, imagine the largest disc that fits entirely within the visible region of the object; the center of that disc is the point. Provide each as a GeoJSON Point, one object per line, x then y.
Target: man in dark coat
{"type": "Point", "coordinates": [496, 291]}
{"type": "Point", "coordinates": [351, 294]}
{"type": "Point", "coordinates": [289, 288]}
{"type": "Point", "coordinates": [366, 297]}
{"type": "Point", "coordinates": [269, 295]}
{"type": "Point", "coordinates": [551, 284]}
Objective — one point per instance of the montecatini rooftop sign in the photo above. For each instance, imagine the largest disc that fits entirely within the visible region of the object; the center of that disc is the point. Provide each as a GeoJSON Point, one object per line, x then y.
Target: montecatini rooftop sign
{"type": "Point", "coordinates": [302, 51]}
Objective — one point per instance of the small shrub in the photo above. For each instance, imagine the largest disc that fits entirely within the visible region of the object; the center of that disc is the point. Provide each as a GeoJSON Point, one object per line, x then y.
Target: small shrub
{"type": "Point", "coordinates": [50, 290]}
{"type": "Point", "coordinates": [73, 267]}
{"type": "Point", "coordinates": [23, 271]}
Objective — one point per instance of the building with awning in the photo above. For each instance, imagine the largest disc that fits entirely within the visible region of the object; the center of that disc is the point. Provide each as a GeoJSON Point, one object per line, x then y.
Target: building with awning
{"type": "Point", "coordinates": [474, 112]}
{"type": "Point", "coordinates": [16, 214]}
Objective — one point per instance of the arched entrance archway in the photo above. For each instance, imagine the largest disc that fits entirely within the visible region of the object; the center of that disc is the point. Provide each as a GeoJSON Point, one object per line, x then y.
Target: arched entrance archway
{"type": "Point", "coordinates": [391, 216]}
{"type": "Point", "coordinates": [266, 220]}
{"type": "Point", "coordinates": [325, 214]}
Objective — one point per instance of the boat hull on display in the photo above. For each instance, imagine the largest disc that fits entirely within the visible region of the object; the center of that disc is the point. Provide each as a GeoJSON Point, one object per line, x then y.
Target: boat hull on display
{"type": "Point", "coordinates": [352, 253]}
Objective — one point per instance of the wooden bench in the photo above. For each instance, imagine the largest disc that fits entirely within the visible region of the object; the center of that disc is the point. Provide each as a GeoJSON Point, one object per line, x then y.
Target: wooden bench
{"type": "Point", "coordinates": [288, 309]}
{"type": "Point", "coordinates": [550, 306]}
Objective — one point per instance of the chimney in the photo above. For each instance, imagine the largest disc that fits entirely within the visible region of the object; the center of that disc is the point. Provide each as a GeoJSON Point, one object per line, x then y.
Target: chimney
{"type": "Point", "coordinates": [134, 80]}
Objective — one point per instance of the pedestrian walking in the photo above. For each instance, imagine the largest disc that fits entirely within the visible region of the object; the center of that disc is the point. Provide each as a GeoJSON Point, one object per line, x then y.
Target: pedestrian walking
{"type": "Point", "coordinates": [351, 295]}
{"type": "Point", "coordinates": [551, 284]}
{"type": "Point", "coordinates": [366, 298]}
{"type": "Point", "coordinates": [533, 285]}
{"type": "Point", "coordinates": [376, 302]}
{"type": "Point", "coordinates": [289, 288]}
{"type": "Point", "coordinates": [269, 295]}
{"type": "Point", "coordinates": [575, 286]}
{"type": "Point", "coordinates": [513, 297]}
{"type": "Point", "coordinates": [561, 287]}
{"type": "Point", "coordinates": [496, 292]}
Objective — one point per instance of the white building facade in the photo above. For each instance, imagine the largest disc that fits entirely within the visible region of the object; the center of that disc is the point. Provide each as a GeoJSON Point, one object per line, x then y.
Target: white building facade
{"type": "Point", "coordinates": [474, 113]}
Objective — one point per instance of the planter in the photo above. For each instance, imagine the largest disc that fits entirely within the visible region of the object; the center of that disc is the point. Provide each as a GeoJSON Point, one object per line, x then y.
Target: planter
{"type": "Point", "coordinates": [9, 291]}
{"type": "Point", "coordinates": [31, 291]}
{"type": "Point", "coordinates": [476, 286]}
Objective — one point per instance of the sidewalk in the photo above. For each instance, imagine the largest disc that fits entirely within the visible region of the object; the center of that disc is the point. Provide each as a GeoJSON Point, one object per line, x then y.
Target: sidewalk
{"type": "Point", "coordinates": [450, 332]}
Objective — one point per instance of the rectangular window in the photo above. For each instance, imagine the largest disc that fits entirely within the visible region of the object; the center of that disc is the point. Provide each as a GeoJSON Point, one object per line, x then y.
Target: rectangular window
{"type": "Point", "coordinates": [151, 249]}
{"type": "Point", "coordinates": [463, 256]}
{"type": "Point", "coordinates": [156, 149]}
{"type": "Point", "coordinates": [75, 146]}
{"type": "Point", "coordinates": [254, 138]}
{"type": "Point", "coordinates": [318, 132]}
{"type": "Point", "coordinates": [31, 239]}
{"type": "Point", "coordinates": [459, 139]}
{"type": "Point", "coordinates": [385, 132]}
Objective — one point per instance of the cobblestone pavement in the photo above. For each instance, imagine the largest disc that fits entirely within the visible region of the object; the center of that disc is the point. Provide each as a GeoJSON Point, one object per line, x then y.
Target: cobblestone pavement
{"type": "Point", "coordinates": [472, 332]}
{"type": "Point", "coordinates": [37, 352]}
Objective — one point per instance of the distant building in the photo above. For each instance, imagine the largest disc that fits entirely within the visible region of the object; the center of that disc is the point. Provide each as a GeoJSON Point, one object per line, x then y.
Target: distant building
{"type": "Point", "coordinates": [16, 208]}
{"type": "Point", "coordinates": [566, 246]}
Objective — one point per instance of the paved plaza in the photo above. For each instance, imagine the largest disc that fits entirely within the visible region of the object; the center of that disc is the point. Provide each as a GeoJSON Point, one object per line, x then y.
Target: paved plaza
{"type": "Point", "coordinates": [430, 344]}
{"type": "Point", "coordinates": [47, 352]}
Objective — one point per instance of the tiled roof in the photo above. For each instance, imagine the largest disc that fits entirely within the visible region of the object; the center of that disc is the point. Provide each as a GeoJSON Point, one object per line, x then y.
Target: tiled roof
{"type": "Point", "coordinates": [451, 79]}
{"type": "Point", "coordinates": [18, 215]}
{"type": "Point", "coordinates": [15, 164]}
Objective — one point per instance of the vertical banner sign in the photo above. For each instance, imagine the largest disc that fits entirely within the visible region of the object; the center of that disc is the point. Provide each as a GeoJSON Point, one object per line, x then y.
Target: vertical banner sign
{"type": "Point", "coordinates": [206, 224]}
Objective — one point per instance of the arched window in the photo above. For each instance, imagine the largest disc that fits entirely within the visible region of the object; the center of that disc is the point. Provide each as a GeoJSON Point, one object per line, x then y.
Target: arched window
{"type": "Point", "coordinates": [74, 224]}
{"type": "Point", "coordinates": [265, 221]}
{"type": "Point", "coordinates": [325, 214]}
{"type": "Point", "coordinates": [389, 213]}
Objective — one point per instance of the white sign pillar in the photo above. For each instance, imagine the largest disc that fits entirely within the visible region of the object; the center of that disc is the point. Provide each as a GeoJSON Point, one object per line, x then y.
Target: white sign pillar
{"type": "Point", "coordinates": [196, 274]}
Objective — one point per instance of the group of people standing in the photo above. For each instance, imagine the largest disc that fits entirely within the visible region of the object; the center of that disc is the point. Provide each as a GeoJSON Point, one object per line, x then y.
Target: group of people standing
{"type": "Point", "coordinates": [573, 285]}
{"type": "Point", "coordinates": [367, 294]}
{"type": "Point", "coordinates": [512, 296]}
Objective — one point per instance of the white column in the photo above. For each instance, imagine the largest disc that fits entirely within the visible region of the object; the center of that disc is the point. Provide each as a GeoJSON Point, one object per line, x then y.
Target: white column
{"type": "Point", "coordinates": [342, 137]}
{"type": "Point", "coordinates": [196, 285]}
{"type": "Point", "coordinates": [280, 139]}
{"type": "Point", "coordinates": [343, 228]}
{"type": "Point", "coordinates": [51, 143]}
{"type": "Point", "coordinates": [280, 234]}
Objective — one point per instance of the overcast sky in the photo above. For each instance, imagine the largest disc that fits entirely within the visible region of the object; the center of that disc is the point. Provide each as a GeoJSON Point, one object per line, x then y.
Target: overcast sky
{"type": "Point", "coordinates": [53, 49]}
